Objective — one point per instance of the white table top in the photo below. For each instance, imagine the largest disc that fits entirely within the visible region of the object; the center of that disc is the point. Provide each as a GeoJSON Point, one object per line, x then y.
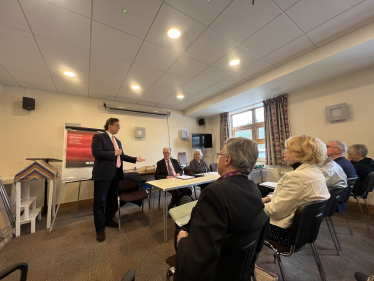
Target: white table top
{"type": "Point", "coordinates": [174, 183]}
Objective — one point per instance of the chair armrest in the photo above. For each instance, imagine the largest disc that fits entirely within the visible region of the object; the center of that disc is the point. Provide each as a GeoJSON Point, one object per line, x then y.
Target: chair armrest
{"type": "Point", "coordinates": [21, 266]}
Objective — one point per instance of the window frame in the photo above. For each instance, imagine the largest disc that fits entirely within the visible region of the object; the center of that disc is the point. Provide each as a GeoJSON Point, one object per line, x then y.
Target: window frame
{"type": "Point", "coordinates": [254, 127]}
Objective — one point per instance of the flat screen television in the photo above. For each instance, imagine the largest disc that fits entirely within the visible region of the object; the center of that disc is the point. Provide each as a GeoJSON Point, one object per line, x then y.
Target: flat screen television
{"type": "Point", "coordinates": [202, 141]}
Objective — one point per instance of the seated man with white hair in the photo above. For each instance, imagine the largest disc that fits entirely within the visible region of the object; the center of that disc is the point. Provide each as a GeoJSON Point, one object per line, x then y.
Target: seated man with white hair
{"type": "Point", "coordinates": [231, 205]}
{"type": "Point", "coordinates": [336, 150]}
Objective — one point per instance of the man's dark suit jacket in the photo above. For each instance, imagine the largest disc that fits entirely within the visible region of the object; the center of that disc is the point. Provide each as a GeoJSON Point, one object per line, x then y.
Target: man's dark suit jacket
{"type": "Point", "coordinates": [162, 170]}
{"type": "Point", "coordinates": [105, 160]}
{"type": "Point", "coordinates": [228, 206]}
{"type": "Point", "coordinates": [347, 167]}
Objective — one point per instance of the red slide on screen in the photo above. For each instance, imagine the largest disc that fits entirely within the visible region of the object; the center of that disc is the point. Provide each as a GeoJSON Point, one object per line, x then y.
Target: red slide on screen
{"type": "Point", "coordinates": [78, 149]}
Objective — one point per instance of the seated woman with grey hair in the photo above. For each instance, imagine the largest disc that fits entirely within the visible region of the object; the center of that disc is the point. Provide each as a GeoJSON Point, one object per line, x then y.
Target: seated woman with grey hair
{"type": "Point", "coordinates": [363, 165]}
{"type": "Point", "coordinates": [199, 166]}
{"type": "Point", "coordinates": [305, 184]}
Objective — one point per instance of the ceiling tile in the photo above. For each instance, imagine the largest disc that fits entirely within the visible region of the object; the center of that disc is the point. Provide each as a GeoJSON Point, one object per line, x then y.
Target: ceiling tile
{"type": "Point", "coordinates": [170, 102]}
{"type": "Point", "coordinates": [102, 92]}
{"type": "Point", "coordinates": [114, 43]}
{"type": "Point", "coordinates": [202, 49]}
{"type": "Point", "coordinates": [273, 36]}
{"type": "Point", "coordinates": [351, 20]}
{"type": "Point", "coordinates": [57, 71]}
{"type": "Point", "coordinates": [62, 53]}
{"type": "Point", "coordinates": [105, 80]}
{"type": "Point", "coordinates": [127, 92]}
{"type": "Point", "coordinates": [310, 14]}
{"type": "Point", "coordinates": [193, 87]}
{"type": "Point", "coordinates": [156, 57]}
{"type": "Point", "coordinates": [255, 69]}
{"type": "Point", "coordinates": [292, 50]}
{"type": "Point", "coordinates": [168, 18]}
{"type": "Point", "coordinates": [125, 100]}
{"type": "Point", "coordinates": [22, 63]}
{"type": "Point", "coordinates": [11, 15]}
{"type": "Point", "coordinates": [18, 42]}
{"type": "Point", "coordinates": [140, 75]}
{"type": "Point", "coordinates": [246, 58]}
{"type": "Point", "coordinates": [171, 81]}
{"type": "Point", "coordinates": [190, 102]}
{"type": "Point", "coordinates": [136, 22]}
{"type": "Point", "coordinates": [5, 78]}
{"type": "Point", "coordinates": [71, 87]}
{"type": "Point", "coordinates": [229, 82]}
{"type": "Point", "coordinates": [53, 22]}
{"type": "Point", "coordinates": [242, 19]}
{"type": "Point", "coordinates": [186, 95]}
{"type": "Point", "coordinates": [82, 7]}
{"type": "Point", "coordinates": [33, 81]}
{"type": "Point", "coordinates": [285, 4]}
{"type": "Point", "coordinates": [156, 94]}
{"type": "Point", "coordinates": [210, 92]}
{"type": "Point", "coordinates": [187, 67]}
{"type": "Point", "coordinates": [108, 65]}
{"type": "Point", "coordinates": [204, 12]}
{"type": "Point", "coordinates": [211, 76]}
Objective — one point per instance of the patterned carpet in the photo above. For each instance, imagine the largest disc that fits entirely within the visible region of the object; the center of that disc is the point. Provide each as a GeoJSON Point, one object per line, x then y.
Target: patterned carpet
{"type": "Point", "coordinates": [71, 251]}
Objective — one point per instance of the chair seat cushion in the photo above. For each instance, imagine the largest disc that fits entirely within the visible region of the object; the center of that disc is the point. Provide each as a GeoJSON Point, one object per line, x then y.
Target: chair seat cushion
{"type": "Point", "coordinates": [283, 248]}
{"type": "Point", "coordinates": [172, 261]}
{"type": "Point", "coordinates": [133, 196]}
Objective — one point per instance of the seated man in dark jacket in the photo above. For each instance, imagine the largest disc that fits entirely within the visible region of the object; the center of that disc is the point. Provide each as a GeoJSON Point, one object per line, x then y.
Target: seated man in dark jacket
{"type": "Point", "coordinates": [336, 150]}
{"type": "Point", "coordinates": [363, 165]}
{"type": "Point", "coordinates": [170, 168]}
{"type": "Point", "coordinates": [231, 205]}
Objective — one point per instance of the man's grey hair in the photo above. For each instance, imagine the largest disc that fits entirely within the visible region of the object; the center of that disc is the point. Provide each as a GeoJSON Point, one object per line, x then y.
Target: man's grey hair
{"type": "Point", "coordinates": [198, 150]}
{"type": "Point", "coordinates": [342, 145]}
{"type": "Point", "coordinates": [243, 152]}
{"type": "Point", "coordinates": [167, 148]}
{"type": "Point", "coordinates": [357, 149]}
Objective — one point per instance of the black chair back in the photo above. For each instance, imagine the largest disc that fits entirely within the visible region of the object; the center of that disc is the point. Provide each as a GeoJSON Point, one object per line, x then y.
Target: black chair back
{"type": "Point", "coordinates": [187, 171]}
{"type": "Point", "coordinates": [368, 185]}
{"type": "Point", "coordinates": [332, 202]}
{"type": "Point", "coordinates": [237, 258]}
{"type": "Point", "coordinates": [213, 167]}
{"type": "Point", "coordinates": [128, 185]}
{"type": "Point", "coordinates": [23, 267]}
{"type": "Point", "coordinates": [306, 222]}
{"type": "Point", "coordinates": [346, 192]}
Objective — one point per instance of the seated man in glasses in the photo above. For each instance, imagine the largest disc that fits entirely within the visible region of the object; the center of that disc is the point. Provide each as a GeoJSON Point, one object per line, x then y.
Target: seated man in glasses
{"type": "Point", "coordinates": [231, 205]}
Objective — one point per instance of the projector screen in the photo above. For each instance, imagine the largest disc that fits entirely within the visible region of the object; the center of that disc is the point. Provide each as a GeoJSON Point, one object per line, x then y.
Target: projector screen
{"type": "Point", "coordinates": [77, 160]}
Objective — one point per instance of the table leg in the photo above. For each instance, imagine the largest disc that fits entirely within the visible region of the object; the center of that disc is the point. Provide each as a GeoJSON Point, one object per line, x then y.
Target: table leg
{"type": "Point", "coordinates": [44, 210]}
{"type": "Point", "coordinates": [153, 203]}
{"type": "Point", "coordinates": [50, 195]}
{"type": "Point", "coordinates": [18, 208]}
{"type": "Point", "coordinates": [79, 191]}
{"type": "Point", "coordinates": [165, 219]}
{"type": "Point", "coordinates": [50, 229]}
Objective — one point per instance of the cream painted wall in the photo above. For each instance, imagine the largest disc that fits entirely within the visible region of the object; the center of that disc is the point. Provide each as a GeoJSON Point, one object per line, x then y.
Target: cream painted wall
{"type": "Point", "coordinates": [307, 112]}
{"type": "Point", "coordinates": [40, 133]}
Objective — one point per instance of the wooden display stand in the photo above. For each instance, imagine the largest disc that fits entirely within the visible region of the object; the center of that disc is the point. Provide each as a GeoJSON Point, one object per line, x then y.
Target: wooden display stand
{"type": "Point", "coordinates": [39, 170]}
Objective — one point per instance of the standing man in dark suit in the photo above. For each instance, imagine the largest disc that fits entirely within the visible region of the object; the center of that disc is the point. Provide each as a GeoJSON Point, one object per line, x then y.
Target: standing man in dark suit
{"type": "Point", "coordinates": [107, 174]}
{"type": "Point", "coordinates": [231, 205]}
{"type": "Point", "coordinates": [170, 168]}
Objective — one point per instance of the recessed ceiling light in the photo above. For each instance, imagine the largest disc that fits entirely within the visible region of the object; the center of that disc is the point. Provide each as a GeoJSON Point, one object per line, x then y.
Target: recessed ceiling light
{"type": "Point", "coordinates": [70, 74]}
{"type": "Point", "coordinates": [135, 87]}
{"type": "Point", "coordinates": [276, 89]}
{"type": "Point", "coordinates": [234, 62]}
{"type": "Point", "coordinates": [125, 11]}
{"type": "Point", "coordinates": [174, 33]}
{"type": "Point", "coordinates": [180, 96]}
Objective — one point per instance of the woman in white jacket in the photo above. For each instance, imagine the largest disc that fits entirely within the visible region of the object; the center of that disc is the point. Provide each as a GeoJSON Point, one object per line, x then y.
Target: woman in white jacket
{"type": "Point", "coordinates": [305, 184]}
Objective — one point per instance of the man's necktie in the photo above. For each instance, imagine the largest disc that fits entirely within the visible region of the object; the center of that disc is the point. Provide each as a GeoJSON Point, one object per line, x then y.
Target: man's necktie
{"type": "Point", "coordinates": [170, 171]}
{"type": "Point", "coordinates": [118, 156]}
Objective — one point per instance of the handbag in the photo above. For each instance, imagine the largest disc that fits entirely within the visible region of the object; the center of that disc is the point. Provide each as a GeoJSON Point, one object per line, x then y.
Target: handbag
{"type": "Point", "coordinates": [264, 275]}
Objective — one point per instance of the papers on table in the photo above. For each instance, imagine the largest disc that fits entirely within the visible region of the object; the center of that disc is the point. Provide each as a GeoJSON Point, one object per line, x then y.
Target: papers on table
{"type": "Point", "coordinates": [184, 177]}
{"type": "Point", "coordinates": [181, 214]}
{"type": "Point", "coordinates": [270, 184]}
{"type": "Point", "coordinates": [213, 173]}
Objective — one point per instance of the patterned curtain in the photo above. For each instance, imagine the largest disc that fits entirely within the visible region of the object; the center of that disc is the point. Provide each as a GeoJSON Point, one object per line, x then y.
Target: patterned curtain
{"type": "Point", "coordinates": [225, 128]}
{"type": "Point", "coordinates": [277, 129]}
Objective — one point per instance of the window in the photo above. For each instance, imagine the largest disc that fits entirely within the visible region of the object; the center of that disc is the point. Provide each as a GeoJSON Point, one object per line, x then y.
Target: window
{"type": "Point", "coordinates": [250, 124]}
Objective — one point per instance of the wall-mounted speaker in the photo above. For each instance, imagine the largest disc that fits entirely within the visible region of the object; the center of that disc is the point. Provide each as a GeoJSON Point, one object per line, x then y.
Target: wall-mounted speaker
{"type": "Point", "coordinates": [28, 103]}
{"type": "Point", "coordinates": [201, 122]}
